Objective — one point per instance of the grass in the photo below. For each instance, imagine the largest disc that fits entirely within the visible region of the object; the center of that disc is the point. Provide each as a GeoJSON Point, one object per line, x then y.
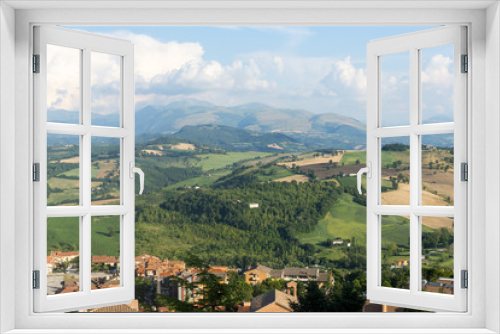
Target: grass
{"type": "Point", "coordinates": [218, 161]}
{"type": "Point", "coordinates": [276, 173]}
{"type": "Point", "coordinates": [345, 220]}
{"type": "Point", "coordinates": [201, 181]}
{"type": "Point", "coordinates": [63, 235]}
{"type": "Point", "coordinates": [105, 239]}
{"type": "Point", "coordinates": [350, 157]}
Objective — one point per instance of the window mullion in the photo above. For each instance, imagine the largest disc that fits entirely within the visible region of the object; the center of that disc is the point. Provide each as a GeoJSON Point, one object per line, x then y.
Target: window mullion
{"type": "Point", "coordinates": [85, 179]}
{"type": "Point", "coordinates": [414, 171]}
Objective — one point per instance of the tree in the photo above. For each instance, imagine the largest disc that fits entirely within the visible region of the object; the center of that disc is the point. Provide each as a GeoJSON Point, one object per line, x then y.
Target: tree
{"type": "Point", "coordinates": [313, 300]}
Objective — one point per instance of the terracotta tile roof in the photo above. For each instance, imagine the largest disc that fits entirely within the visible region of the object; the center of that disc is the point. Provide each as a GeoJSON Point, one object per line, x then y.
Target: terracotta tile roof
{"type": "Point", "coordinates": [277, 297]}
{"type": "Point", "coordinates": [70, 289]}
{"type": "Point", "coordinates": [59, 254]}
{"type": "Point", "coordinates": [104, 259]}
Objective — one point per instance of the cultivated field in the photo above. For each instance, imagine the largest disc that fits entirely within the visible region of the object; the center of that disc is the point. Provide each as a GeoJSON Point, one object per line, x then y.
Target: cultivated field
{"type": "Point", "coordinates": [298, 178]}
{"type": "Point", "coordinates": [314, 160]}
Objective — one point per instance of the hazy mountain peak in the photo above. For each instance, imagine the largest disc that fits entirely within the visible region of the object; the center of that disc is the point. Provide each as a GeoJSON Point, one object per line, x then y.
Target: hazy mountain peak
{"type": "Point", "coordinates": [190, 103]}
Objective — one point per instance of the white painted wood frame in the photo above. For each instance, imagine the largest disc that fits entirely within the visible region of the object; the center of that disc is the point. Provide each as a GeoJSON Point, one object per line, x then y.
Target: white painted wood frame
{"type": "Point", "coordinates": [414, 43]}
{"type": "Point", "coordinates": [85, 43]}
{"type": "Point", "coordinates": [481, 17]}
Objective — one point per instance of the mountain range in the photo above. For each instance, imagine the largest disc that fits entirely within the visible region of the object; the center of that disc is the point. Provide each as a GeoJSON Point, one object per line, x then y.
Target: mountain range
{"type": "Point", "coordinates": [326, 130]}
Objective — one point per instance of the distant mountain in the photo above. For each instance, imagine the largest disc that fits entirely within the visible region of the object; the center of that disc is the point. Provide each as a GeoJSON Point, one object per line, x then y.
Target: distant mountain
{"type": "Point", "coordinates": [327, 130]}
{"type": "Point", "coordinates": [233, 139]}
{"type": "Point", "coordinates": [318, 130]}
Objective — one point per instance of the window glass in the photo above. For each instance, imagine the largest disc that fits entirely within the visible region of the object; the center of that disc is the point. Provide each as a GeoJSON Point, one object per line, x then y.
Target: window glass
{"type": "Point", "coordinates": [105, 171]}
{"type": "Point", "coordinates": [438, 170]}
{"type": "Point", "coordinates": [105, 252]}
{"type": "Point", "coordinates": [395, 165]}
{"type": "Point", "coordinates": [395, 89]}
{"type": "Point", "coordinates": [437, 255]}
{"type": "Point", "coordinates": [63, 84]}
{"type": "Point", "coordinates": [395, 252]}
{"type": "Point", "coordinates": [63, 170]}
{"type": "Point", "coordinates": [437, 84]}
{"type": "Point", "coordinates": [63, 255]}
{"type": "Point", "coordinates": [105, 89]}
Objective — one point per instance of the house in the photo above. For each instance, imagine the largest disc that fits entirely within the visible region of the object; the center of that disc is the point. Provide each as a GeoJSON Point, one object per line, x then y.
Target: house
{"type": "Point", "coordinates": [273, 301]}
{"type": "Point", "coordinates": [257, 274]}
{"type": "Point", "coordinates": [64, 256]}
{"type": "Point", "coordinates": [337, 241]}
{"type": "Point", "coordinates": [51, 264]}
{"type": "Point", "coordinates": [300, 274]}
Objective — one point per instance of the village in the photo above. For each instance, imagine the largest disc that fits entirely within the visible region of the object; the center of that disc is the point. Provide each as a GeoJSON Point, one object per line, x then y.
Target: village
{"type": "Point", "coordinates": [164, 277]}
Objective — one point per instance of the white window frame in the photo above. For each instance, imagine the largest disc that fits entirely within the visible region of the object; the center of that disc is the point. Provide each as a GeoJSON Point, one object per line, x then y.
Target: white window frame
{"type": "Point", "coordinates": [86, 44]}
{"type": "Point", "coordinates": [413, 44]}
{"type": "Point", "coordinates": [483, 100]}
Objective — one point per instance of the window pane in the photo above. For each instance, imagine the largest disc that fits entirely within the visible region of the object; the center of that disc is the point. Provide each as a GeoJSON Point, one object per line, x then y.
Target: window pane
{"type": "Point", "coordinates": [437, 254]}
{"type": "Point", "coordinates": [63, 170]}
{"type": "Point", "coordinates": [437, 170]}
{"type": "Point", "coordinates": [106, 89]}
{"type": "Point", "coordinates": [105, 252]}
{"type": "Point", "coordinates": [105, 171]}
{"type": "Point", "coordinates": [437, 84]}
{"type": "Point", "coordinates": [395, 166]}
{"type": "Point", "coordinates": [396, 252]}
{"type": "Point", "coordinates": [63, 84]}
{"type": "Point", "coordinates": [395, 89]}
{"type": "Point", "coordinates": [63, 261]}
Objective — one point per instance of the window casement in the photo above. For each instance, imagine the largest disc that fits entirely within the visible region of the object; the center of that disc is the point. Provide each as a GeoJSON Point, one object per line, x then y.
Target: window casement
{"type": "Point", "coordinates": [480, 316]}
{"type": "Point", "coordinates": [82, 212]}
{"type": "Point", "coordinates": [415, 206]}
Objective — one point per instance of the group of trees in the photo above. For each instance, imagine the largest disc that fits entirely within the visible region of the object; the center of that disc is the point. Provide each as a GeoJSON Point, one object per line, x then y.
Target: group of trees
{"type": "Point", "coordinates": [224, 230]}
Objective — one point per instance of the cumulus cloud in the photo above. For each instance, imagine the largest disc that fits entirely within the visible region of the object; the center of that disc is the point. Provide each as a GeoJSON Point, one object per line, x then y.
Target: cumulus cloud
{"type": "Point", "coordinates": [438, 72]}
{"type": "Point", "coordinates": [344, 80]}
{"type": "Point", "coordinates": [351, 76]}
{"type": "Point", "coordinates": [161, 68]}
{"type": "Point", "coordinates": [63, 78]}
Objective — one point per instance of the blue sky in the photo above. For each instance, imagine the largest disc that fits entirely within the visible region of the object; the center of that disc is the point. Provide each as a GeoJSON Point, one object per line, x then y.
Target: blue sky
{"type": "Point", "coordinates": [320, 69]}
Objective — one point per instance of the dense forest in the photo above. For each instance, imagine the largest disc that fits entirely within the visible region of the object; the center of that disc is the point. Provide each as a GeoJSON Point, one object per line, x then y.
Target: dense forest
{"type": "Point", "coordinates": [227, 231]}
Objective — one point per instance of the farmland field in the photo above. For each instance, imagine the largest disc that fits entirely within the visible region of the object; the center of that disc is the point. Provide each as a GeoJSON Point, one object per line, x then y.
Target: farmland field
{"type": "Point", "coordinates": [218, 161]}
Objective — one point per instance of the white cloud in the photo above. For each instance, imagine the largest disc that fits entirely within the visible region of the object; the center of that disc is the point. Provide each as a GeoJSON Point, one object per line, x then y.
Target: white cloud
{"type": "Point", "coordinates": [160, 68]}
{"type": "Point", "coordinates": [351, 76]}
{"type": "Point", "coordinates": [437, 71]}
{"type": "Point", "coordinates": [63, 78]}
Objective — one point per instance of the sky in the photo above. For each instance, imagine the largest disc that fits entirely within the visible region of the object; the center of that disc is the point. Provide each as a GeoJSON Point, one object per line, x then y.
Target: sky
{"type": "Point", "coordinates": [317, 68]}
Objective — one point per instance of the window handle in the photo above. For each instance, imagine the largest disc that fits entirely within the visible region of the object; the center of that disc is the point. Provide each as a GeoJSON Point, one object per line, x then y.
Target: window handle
{"type": "Point", "coordinates": [136, 170]}
{"type": "Point", "coordinates": [368, 171]}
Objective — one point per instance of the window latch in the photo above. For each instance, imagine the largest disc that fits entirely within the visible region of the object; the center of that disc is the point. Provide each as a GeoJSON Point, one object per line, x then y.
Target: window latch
{"type": "Point", "coordinates": [368, 171]}
{"type": "Point", "coordinates": [135, 170]}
